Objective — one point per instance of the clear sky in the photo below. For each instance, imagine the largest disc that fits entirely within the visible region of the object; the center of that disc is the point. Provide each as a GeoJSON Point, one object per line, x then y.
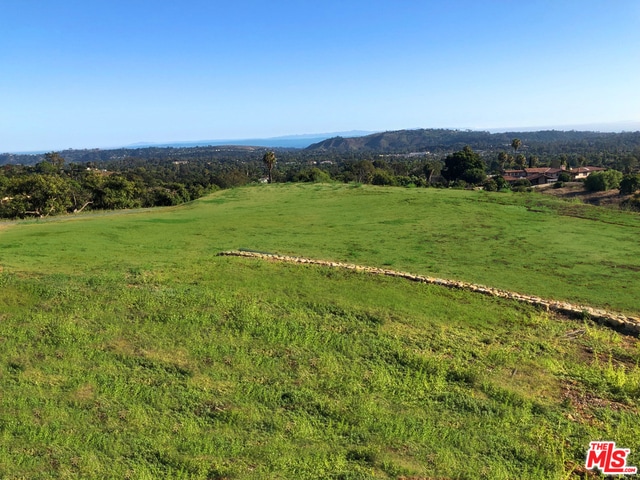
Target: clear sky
{"type": "Point", "coordinates": [101, 73]}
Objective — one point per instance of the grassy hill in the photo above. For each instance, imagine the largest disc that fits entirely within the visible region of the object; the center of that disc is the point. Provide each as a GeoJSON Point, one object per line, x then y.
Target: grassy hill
{"type": "Point", "coordinates": [523, 242]}
{"type": "Point", "coordinates": [128, 349]}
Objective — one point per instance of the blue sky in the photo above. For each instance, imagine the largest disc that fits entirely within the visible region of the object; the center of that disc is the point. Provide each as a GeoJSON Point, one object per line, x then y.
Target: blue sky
{"type": "Point", "coordinates": [100, 73]}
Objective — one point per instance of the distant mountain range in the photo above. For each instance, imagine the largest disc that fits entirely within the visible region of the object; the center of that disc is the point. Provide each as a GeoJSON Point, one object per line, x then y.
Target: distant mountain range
{"type": "Point", "coordinates": [416, 141]}
{"type": "Point", "coordinates": [369, 140]}
{"type": "Point", "coordinates": [407, 139]}
{"type": "Point", "coordinates": [288, 141]}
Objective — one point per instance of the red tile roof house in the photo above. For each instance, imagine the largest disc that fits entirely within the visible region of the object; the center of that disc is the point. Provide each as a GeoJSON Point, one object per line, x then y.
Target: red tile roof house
{"type": "Point", "coordinates": [537, 176]}
{"type": "Point", "coordinates": [544, 175]}
{"type": "Point", "coordinates": [583, 172]}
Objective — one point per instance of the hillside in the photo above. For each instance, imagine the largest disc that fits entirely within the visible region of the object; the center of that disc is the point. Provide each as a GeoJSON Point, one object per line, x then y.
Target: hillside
{"type": "Point", "coordinates": [130, 349]}
{"type": "Point", "coordinates": [510, 241]}
{"type": "Point", "coordinates": [443, 140]}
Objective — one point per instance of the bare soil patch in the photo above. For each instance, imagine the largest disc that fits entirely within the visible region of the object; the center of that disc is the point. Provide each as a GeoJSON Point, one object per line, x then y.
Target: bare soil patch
{"type": "Point", "coordinates": [585, 403]}
{"type": "Point", "coordinates": [576, 190]}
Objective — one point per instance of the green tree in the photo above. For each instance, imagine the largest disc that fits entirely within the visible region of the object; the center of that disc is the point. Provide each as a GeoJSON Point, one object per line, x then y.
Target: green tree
{"type": "Point", "coordinates": [564, 177]}
{"type": "Point", "coordinates": [629, 184]}
{"type": "Point", "coordinates": [363, 171]}
{"type": "Point", "coordinates": [46, 168]}
{"type": "Point", "coordinates": [464, 165]}
{"type": "Point", "coordinates": [383, 177]}
{"type": "Point", "coordinates": [114, 192]}
{"type": "Point", "coordinates": [564, 161]}
{"type": "Point", "coordinates": [627, 164]}
{"type": "Point", "coordinates": [431, 168]}
{"type": "Point", "coordinates": [269, 159]}
{"type": "Point", "coordinates": [314, 175]}
{"type": "Point", "coordinates": [54, 159]}
{"type": "Point", "coordinates": [36, 195]}
{"type": "Point", "coordinates": [516, 143]}
{"type": "Point", "coordinates": [231, 178]}
{"type": "Point", "coordinates": [602, 181]}
{"type": "Point", "coordinates": [501, 183]}
{"type": "Point", "coordinates": [490, 185]}
{"type": "Point", "coordinates": [503, 160]}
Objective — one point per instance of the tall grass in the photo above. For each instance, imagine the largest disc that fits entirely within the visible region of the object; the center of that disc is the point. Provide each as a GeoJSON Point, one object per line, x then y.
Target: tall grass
{"type": "Point", "coordinates": [277, 371]}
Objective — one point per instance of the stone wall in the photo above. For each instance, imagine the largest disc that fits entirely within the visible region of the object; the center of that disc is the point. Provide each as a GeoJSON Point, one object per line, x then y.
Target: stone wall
{"type": "Point", "coordinates": [615, 320]}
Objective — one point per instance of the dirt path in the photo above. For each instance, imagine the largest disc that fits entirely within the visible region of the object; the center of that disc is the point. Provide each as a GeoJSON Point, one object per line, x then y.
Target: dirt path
{"type": "Point", "coordinates": [618, 321]}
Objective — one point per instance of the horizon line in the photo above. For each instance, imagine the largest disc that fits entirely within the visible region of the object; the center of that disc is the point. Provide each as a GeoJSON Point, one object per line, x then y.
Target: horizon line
{"type": "Point", "coordinates": [613, 127]}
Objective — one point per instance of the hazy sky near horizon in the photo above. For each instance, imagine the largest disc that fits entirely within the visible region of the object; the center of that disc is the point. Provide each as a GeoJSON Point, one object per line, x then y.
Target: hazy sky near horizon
{"type": "Point", "coordinates": [101, 73]}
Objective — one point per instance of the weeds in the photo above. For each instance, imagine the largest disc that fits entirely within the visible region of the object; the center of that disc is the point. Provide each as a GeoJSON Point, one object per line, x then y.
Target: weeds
{"type": "Point", "coordinates": [178, 379]}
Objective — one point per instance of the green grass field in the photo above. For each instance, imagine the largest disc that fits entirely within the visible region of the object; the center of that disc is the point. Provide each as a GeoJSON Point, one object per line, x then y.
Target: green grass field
{"type": "Point", "coordinates": [128, 349]}
{"type": "Point", "coordinates": [527, 242]}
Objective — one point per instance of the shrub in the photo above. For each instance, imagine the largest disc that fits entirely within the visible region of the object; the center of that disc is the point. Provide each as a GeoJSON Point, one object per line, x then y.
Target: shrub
{"type": "Point", "coordinates": [382, 177]}
{"type": "Point", "coordinates": [520, 183]}
{"type": "Point", "coordinates": [602, 181]}
{"type": "Point", "coordinates": [558, 184]}
{"type": "Point", "coordinates": [629, 184]}
{"type": "Point", "coordinates": [406, 181]}
{"type": "Point", "coordinates": [475, 176]}
{"type": "Point", "coordinates": [632, 204]}
{"type": "Point", "coordinates": [490, 185]}
{"type": "Point", "coordinates": [313, 175]}
{"type": "Point", "coordinates": [564, 177]}
{"type": "Point", "coordinates": [502, 183]}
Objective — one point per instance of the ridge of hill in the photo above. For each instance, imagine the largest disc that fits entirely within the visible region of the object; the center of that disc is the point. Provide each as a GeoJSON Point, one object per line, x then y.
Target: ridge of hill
{"type": "Point", "coordinates": [285, 141]}
{"type": "Point", "coordinates": [437, 141]}
{"type": "Point", "coordinates": [446, 140]}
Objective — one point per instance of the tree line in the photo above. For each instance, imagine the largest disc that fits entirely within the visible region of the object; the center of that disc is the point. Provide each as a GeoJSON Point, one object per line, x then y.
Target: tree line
{"type": "Point", "coordinates": [54, 186]}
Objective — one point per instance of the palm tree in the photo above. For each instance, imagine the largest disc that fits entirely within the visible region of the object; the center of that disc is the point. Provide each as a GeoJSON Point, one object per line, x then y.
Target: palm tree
{"type": "Point", "coordinates": [503, 159]}
{"type": "Point", "coordinates": [269, 159]}
{"type": "Point", "coordinates": [516, 143]}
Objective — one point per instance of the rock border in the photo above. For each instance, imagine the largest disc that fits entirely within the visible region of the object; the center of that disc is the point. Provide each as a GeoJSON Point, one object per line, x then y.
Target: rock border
{"type": "Point", "coordinates": [617, 321]}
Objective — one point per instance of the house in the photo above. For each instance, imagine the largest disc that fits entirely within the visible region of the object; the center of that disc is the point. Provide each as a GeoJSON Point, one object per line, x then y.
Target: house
{"type": "Point", "coordinates": [583, 172]}
{"type": "Point", "coordinates": [536, 176]}
{"type": "Point", "coordinates": [543, 175]}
